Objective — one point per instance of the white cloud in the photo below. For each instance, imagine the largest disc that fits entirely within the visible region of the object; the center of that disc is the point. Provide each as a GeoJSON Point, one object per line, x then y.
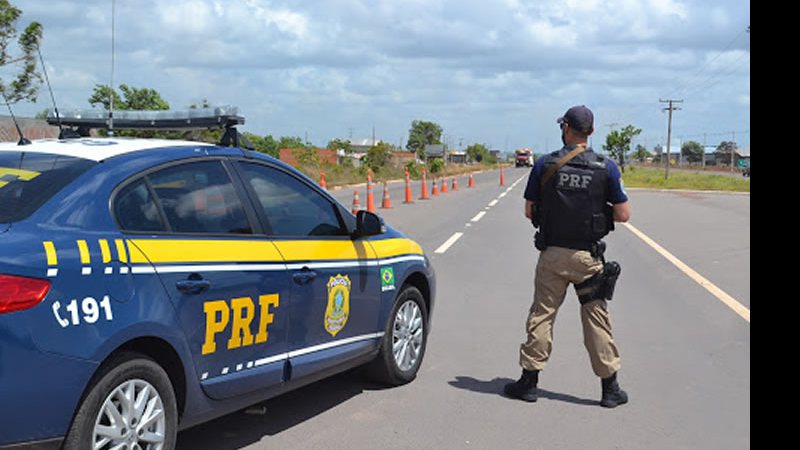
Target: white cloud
{"type": "Point", "coordinates": [487, 70]}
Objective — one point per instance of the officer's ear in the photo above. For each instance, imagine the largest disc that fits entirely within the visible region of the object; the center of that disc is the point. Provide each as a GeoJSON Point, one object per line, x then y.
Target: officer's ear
{"type": "Point", "coordinates": [589, 133]}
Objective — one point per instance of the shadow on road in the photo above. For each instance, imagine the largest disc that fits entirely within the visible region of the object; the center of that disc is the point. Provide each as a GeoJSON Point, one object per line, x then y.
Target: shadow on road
{"type": "Point", "coordinates": [240, 429]}
{"type": "Point", "coordinates": [495, 387]}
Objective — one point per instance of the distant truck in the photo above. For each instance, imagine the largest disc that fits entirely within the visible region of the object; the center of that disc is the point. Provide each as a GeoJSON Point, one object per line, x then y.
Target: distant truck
{"type": "Point", "coordinates": [523, 157]}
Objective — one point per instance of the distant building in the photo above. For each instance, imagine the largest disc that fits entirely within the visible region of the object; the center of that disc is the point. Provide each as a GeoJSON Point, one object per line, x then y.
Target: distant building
{"type": "Point", "coordinates": [434, 151]}
{"type": "Point", "coordinates": [326, 155]}
{"type": "Point", "coordinates": [31, 128]}
{"type": "Point", "coordinates": [457, 157]}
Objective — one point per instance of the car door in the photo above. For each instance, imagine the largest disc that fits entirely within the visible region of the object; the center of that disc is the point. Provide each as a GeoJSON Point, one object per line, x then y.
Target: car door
{"type": "Point", "coordinates": [228, 284]}
{"type": "Point", "coordinates": [335, 300]}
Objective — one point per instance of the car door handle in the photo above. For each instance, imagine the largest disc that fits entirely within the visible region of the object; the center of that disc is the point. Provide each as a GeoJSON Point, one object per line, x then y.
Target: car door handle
{"type": "Point", "coordinates": [193, 286]}
{"type": "Point", "coordinates": [304, 276]}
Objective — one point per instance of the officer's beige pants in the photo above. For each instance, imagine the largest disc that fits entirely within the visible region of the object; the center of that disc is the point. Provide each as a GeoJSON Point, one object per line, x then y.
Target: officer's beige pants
{"type": "Point", "coordinates": [557, 268]}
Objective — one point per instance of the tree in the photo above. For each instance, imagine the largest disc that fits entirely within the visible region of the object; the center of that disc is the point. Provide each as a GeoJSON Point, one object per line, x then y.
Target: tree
{"type": "Point", "coordinates": [266, 144]}
{"type": "Point", "coordinates": [25, 85]}
{"type": "Point", "coordinates": [378, 156]}
{"type": "Point", "coordinates": [136, 99]}
{"type": "Point", "coordinates": [340, 144]}
{"type": "Point", "coordinates": [692, 151]}
{"type": "Point", "coordinates": [478, 152]}
{"type": "Point", "coordinates": [291, 142]}
{"type": "Point", "coordinates": [724, 151]}
{"type": "Point", "coordinates": [618, 143]}
{"type": "Point", "coordinates": [641, 153]}
{"type": "Point", "coordinates": [422, 133]}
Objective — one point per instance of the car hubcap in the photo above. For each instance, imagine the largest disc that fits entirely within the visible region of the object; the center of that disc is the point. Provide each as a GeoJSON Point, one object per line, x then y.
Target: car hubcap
{"type": "Point", "coordinates": [407, 335]}
{"type": "Point", "coordinates": [132, 418]}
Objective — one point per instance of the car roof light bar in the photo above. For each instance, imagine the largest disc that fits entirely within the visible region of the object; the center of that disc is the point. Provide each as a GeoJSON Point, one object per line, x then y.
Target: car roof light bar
{"type": "Point", "coordinates": [197, 118]}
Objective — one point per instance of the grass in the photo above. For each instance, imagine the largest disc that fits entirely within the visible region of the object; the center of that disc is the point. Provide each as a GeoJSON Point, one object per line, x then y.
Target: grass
{"type": "Point", "coordinates": [654, 178]}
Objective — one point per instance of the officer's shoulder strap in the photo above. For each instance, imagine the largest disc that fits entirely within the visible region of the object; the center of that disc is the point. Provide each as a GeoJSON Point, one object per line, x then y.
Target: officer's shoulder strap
{"type": "Point", "coordinates": [560, 163]}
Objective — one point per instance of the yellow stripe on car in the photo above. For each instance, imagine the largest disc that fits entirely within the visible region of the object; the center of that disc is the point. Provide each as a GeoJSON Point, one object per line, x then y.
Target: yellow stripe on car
{"type": "Point", "coordinates": [195, 251]}
{"type": "Point", "coordinates": [105, 252]}
{"type": "Point", "coordinates": [324, 250]}
{"type": "Point", "coordinates": [123, 255]}
{"type": "Point", "coordinates": [50, 251]}
{"type": "Point", "coordinates": [84, 251]}
{"type": "Point", "coordinates": [387, 248]}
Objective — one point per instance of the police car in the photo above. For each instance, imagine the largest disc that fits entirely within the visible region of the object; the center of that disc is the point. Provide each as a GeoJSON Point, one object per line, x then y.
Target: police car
{"type": "Point", "coordinates": [150, 285]}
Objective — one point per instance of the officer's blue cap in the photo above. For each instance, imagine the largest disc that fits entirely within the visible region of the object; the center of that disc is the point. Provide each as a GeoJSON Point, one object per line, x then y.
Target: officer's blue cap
{"type": "Point", "coordinates": [578, 117]}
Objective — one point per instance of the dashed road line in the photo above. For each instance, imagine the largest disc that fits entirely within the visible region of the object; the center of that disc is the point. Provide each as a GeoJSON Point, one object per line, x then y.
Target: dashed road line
{"type": "Point", "coordinates": [721, 295]}
{"type": "Point", "coordinates": [456, 236]}
{"type": "Point", "coordinates": [443, 248]}
{"type": "Point", "coordinates": [478, 216]}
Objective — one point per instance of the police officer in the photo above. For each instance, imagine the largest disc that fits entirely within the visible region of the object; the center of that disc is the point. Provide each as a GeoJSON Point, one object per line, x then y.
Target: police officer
{"type": "Point", "coordinates": [573, 196]}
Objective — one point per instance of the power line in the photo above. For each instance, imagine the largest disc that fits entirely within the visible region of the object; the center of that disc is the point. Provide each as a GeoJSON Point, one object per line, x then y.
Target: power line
{"type": "Point", "coordinates": [707, 63]}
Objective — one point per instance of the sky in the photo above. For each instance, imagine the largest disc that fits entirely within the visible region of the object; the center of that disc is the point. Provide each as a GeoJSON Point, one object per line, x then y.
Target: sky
{"type": "Point", "coordinates": [496, 72]}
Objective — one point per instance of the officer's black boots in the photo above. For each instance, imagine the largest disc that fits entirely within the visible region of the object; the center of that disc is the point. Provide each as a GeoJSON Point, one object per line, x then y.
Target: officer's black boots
{"type": "Point", "coordinates": [525, 387]}
{"type": "Point", "coordinates": [613, 396]}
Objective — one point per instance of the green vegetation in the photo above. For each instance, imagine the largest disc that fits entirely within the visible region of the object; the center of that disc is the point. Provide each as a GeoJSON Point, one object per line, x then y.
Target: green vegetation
{"type": "Point", "coordinates": [422, 133]}
{"type": "Point", "coordinates": [618, 143]}
{"type": "Point", "coordinates": [25, 83]}
{"type": "Point", "coordinates": [654, 178]}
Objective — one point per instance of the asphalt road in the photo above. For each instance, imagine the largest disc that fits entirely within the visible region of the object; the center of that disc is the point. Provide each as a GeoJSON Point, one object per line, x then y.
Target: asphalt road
{"type": "Point", "coordinates": [685, 355]}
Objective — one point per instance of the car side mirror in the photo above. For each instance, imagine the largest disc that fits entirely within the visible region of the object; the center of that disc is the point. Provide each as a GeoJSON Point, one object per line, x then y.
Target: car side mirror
{"type": "Point", "coordinates": [368, 224]}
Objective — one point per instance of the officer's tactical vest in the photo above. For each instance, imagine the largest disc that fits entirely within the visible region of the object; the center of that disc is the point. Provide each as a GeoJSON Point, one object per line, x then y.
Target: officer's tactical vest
{"type": "Point", "coordinates": [573, 209]}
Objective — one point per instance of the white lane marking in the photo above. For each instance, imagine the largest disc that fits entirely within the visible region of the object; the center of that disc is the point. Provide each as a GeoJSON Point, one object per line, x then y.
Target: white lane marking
{"type": "Point", "coordinates": [502, 195]}
{"type": "Point", "coordinates": [478, 216]}
{"type": "Point", "coordinates": [443, 248]}
{"type": "Point", "coordinates": [721, 295]}
{"type": "Point", "coordinates": [493, 202]}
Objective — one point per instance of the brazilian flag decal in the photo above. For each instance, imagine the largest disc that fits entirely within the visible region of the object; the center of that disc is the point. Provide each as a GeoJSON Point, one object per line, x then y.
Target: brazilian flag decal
{"type": "Point", "coordinates": [387, 279]}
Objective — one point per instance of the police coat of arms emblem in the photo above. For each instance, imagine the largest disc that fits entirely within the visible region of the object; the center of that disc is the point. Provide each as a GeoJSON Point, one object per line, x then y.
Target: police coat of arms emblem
{"type": "Point", "coordinates": [338, 309]}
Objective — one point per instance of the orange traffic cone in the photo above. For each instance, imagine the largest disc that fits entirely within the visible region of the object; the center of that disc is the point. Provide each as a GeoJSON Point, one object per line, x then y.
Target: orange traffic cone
{"type": "Point", "coordinates": [435, 190]}
{"type": "Point", "coordinates": [471, 182]}
{"type": "Point", "coordinates": [370, 196]}
{"type": "Point", "coordinates": [424, 186]}
{"type": "Point", "coordinates": [408, 189]}
{"type": "Point", "coordinates": [444, 185]}
{"type": "Point", "coordinates": [455, 184]}
{"type": "Point", "coordinates": [502, 178]}
{"type": "Point", "coordinates": [356, 205]}
{"type": "Point", "coordinates": [386, 203]}
{"type": "Point", "coordinates": [322, 180]}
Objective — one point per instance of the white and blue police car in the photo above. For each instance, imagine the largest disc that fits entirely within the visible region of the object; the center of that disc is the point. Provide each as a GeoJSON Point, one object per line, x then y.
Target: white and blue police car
{"type": "Point", "coordinates": [147, 285]}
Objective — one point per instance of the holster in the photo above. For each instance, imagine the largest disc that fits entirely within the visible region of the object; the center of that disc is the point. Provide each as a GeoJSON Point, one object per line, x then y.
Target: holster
{"type": "Point", "coordinates": [601, 285]}
{"type": "Point", "coordinates": [539, 242]}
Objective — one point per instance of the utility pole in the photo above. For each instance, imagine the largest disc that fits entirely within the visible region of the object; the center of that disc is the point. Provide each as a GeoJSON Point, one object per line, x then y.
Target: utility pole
{"type": "Point", "coordinates": [704, 151]}
{"type": "Point", "coordinates": [733, 151]}
{"type": "Point", "coordinates": [670, 108]}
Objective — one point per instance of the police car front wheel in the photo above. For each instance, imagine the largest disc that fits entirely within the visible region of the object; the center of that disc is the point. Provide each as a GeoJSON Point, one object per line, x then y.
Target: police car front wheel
{"type": "Point", "coordinates": [404, 341]}
{"type": "Point", "coordinates": [131, 405]}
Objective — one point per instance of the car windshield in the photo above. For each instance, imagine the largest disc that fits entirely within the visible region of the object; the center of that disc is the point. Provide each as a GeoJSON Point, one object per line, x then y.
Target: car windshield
{"type": "Point", "coordinates": [28, 180]}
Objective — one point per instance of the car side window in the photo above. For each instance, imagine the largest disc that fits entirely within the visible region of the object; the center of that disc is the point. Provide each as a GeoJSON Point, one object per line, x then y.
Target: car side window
{"type": "Point", "coordinates": [291, 207]}
{"type": "Point", "coordinates": [135, 209]}
{"type": "Point", "coordinates": [199, 197]}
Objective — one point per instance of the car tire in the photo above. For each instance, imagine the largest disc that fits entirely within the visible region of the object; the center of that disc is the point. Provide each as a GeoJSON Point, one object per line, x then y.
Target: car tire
{"type": "Point", "coordinates": [405, 340]}
{"type": "Point", "coordinates": [127, 373]}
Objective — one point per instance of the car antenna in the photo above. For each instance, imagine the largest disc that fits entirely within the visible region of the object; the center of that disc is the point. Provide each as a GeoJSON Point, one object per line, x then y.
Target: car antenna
{"type": "Point", "coordinates": [61, 132]}
{"type": "Point", "coordinates": [111, 87]}
{"type": "Point", "coordinates": [22, 139]}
